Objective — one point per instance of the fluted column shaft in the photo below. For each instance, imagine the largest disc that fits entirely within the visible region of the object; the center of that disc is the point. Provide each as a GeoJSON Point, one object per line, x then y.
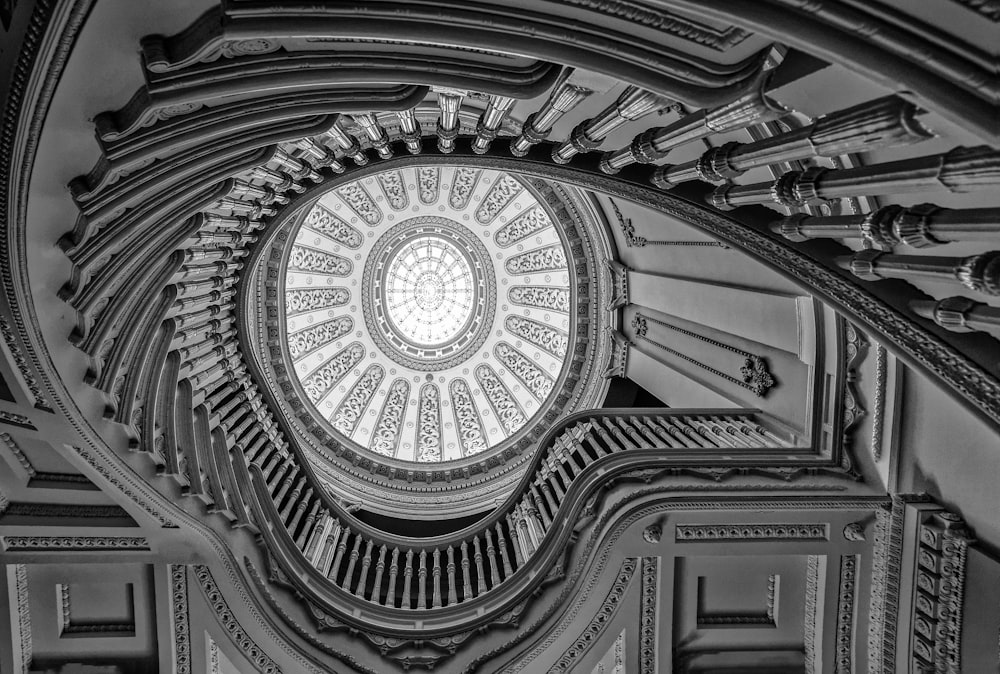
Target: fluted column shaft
{"type": "Point", "coordinates": [959, 314]}
{"type": "Point", "coordinates": [376, 134]}
{"type": "Point", "coordinates": [489, 122]}
{"type": "Point", "coordinates": [348, 143]}
{"type": "Point", "coordinates": [919, 226]}
{"type": "Point", "coordinates": [654, 144]}
{"type": "Point", "coordinates": [411, 131]}
{"type": "Point", "coordinates": [631, 105]}
{"type": "Point", "coordinates": [883, 122]}
{"type": "Point", "coordinates": [448, 123]}
{"type": "Point", "coordinates": [961, 170]}
{"type": "Point", "coordinates": [538, 125]}
{"type": "Point", "coordinates": [980, 273]}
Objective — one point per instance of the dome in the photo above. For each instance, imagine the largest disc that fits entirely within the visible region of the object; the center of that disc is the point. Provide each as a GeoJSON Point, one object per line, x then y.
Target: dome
{"type": "Point", "coordinates": [391, 288]}
{"type": "Point", "coordinates": [425, 331]}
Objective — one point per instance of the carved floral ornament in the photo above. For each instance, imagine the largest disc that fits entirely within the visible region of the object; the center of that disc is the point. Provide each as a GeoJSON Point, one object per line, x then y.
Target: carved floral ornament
{"type": "Point", "coordinates": [429, 312]}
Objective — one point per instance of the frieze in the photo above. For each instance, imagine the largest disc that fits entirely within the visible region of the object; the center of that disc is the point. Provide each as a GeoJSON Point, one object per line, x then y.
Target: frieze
{"type": "Point", "coordinates": [845, 614]}
{"type": "Point", "coordinates": [531, 221]}
{"type": "Point", "coordinates": [549, 339]}
{"type": "Point", "coordinates": [503, 191]}
{"type": "Point", "coordinates": [463, 182]}
{"type": "Point", "coordinates": [394, 188]}
{"type": "Point", "coordinates": [304, 342]}
{"type": "Point", "coordinates": [67, 543]}
{"type": "Point", "coordinates": [746, 532]}
{"type": "Point", "coordinates": [608, 609]}
{"type": "Point", "coordinates": [179, 613]}
{"type": "Point", "coordinates": [323, 220]}
{"type": "Point", "coordinates": [467, 418]}
{"type": "Point", "coordinates": [647, 616]}
{"type": "Point", "coordinates": [302, 300]}
{"type": "Point", "coordinates": [319, 262]}
{"type": "Point", "coordinates": [254, 653]}
{"type": "Point", "coordinates": [548, 258]}
{"type": "Point", "coordinates": [811, 612]}
{"type": "Point", "coordinates": [543, 297]}
{"type": "Point", "coordinates": [332, 371]}
{"type": "Point", "coordinates": [349, 412]}
{"type": "Point", "coordinates": [504, 405]}
{"type": "Point", "coordinates": [429, 424]}
{"type": "Point", "coordinates": [536, 380]}
{"type": "Point", "coordinates": [23, 601]}
{"type": "Point", "coordinates": [359, 201]}
{"type": "Point", "coordinates": [388, 428]}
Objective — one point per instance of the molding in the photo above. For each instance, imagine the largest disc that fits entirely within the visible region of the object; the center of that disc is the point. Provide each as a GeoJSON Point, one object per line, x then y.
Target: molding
{"type": "Point", "coordinates": [647, 615]}
{"type": "Point", "coordinates": [844, 663]}
{"type": "Point", "coordinates": [597, 624]}
{"type": "Point", "coordinates": [765, 619]}
{"type": "Point", "coordinates": [65, 510]}
{"type": "Point", "coordinates": [812, 613]}
{"type": "Point", "coordinates": [878, 399]}
{"type": "Point", "coordinates": [633, 240]}
{"type": "Point", "coordinates": [181, 619]}
{"type": "Point", "coordinates": [884, 607]}
{"type": "Point", "coordinates": [72, 543]}
{"type": "Point", "coordinates": [23, 616]}
{"type": "Point", "coordinates": [254, 653]}
{"type": "Point", "coordinates": [754, 372]}
{"type": "Point", "coordinates": [68, 629]}
{"type": "Point", "coordinates": [694, 533]}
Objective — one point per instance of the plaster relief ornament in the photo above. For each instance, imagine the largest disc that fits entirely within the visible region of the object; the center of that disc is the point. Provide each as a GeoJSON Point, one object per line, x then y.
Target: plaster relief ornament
{"type": "Point", "coordinates": [431, 346]}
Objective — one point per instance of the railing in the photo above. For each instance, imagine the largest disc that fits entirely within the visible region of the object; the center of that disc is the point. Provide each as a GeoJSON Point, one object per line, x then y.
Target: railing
{"type": "Point", "coordinates": [419, 574]}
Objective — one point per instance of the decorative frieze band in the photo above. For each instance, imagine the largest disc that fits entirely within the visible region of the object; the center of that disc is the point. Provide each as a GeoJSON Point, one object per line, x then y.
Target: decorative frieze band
{"type": "Point", "coordinates": [688, 533]}
{"type": "Point", "coordinates": [70, 543]}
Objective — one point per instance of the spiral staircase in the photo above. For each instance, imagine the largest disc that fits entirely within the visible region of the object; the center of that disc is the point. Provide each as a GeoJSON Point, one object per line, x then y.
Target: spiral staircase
{"type": "Point", "coordinates": [726, 400]}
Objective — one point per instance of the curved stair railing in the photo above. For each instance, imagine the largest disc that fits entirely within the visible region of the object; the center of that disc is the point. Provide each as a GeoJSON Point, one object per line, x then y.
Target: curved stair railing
{"type": "Point", "coordinates": [176, 205]}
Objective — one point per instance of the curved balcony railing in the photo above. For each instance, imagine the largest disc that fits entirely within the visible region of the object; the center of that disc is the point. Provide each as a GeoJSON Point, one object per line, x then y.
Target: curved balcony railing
{"type": "Point", "coordinates": [445, 571]}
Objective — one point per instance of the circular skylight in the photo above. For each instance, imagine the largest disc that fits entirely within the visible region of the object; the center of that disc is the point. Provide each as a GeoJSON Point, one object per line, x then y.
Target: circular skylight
{"type": "Point", "coordinates": [429, 291]}
{"type": "Point", "coordinates": [427, 311]}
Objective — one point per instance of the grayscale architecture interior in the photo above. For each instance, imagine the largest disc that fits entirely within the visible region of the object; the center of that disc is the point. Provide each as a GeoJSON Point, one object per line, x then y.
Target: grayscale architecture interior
{"type": "Point", "coordinates": [499, 336]}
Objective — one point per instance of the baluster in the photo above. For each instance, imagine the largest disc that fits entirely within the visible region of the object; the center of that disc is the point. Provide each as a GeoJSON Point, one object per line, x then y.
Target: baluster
{"type": "Point", "coordinates": [407, 580]}
{"type": "Point", "coordinates": [594, 444]}
{"type": "Point", "coordinates": [980, 273]}
{"type": "Point", "coordinates": [366, 562]}
{"type": "Point", "coordinates": [452, 587]}
{"type": "Point", "coordinates": [352, 562]}
{"type": "Point", "coordinates": [410, 127]}
{"type": "Point", "coordinates": [326, 558]}
{"type": "Point", "coordinates": [436, 599]}
{"type": "Point", "coordinates": [961, 170]}
{"type": "Point", "coordinates": [422, 581]}
{"type": "Point", "coordinates": [491, 557]}
{"type": "Point", "coordinates": [514, 538]}
{"type": "Point", "coordinates": [672, 426]}
{"type": "Point", "coordinates": [561, 464]}
{"type": "Point", "coordinates": [632, 104]}
{"type": "Point", "coordinates": [379, 569]}
{"type": "Point", "coordinates": [489, 122]}
{"type": "Point", "coordinates": [883, 122]}
{"type": "Point", "coordinates": [390, 595]}
{"type": "Point", "coordinates": [733, 431]}
{"type": "Point", "coordinates": [310, 519]}
{"type": "Point", "coordinates": [504, 555]}
{"type": "Point", "coordinates": [301, 501]}
{"type": "Point", "coordinates": [920, 226]}
{"type": "Point", "coordinates": [376, 134]}
{"type": "Point", "coordinates": [654, 144]}
{"type": "Point", "coordinates": [448, 123]}
{"type": "Point", "coordinates": [538, 125]}
{"type": "Point", "coordinates": [320, 155]}
{"type": "Point", "coordinates": [524, 533]}
{"type": "Point", "coordinates": [280, 181]}
{"type": "Point", "coordinates": [539, 506]}
{"type": "Point", "coordinates": [645, 431]}
{"type": "Point", "coordinates": [292, 500]}
{"type": "Point", "coordinates": [285, 486]}
{"type": "Point", "coordinates": [547, 492]}
{"type": "Point", "coordinates": [480, 572]}
{"type": "Point", "coordinates": [347, 143]}
{"type": "Point", "coordinates": [313, 549]}
{"type": "Point", "coordinates": [299, 168]}
{"type": "Point", "coordinates": [466, 575]}
{"type": "Point", "coordinates": [339, 557]}
{"type": "Point", "coordinates": [958, 314]}
{"type": "Point", "coordinates": [616, 432]}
